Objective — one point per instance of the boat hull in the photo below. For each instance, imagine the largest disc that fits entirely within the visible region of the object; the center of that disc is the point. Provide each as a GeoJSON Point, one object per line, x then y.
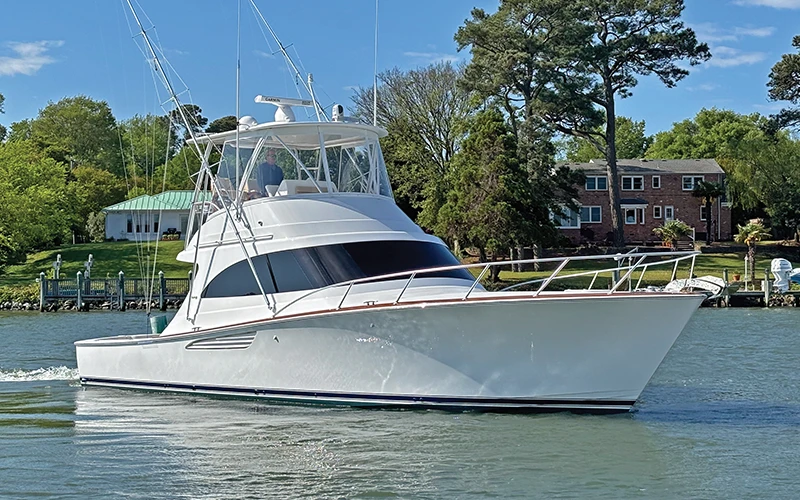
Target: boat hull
{"type": "Point", "coordinates": [592, 353]}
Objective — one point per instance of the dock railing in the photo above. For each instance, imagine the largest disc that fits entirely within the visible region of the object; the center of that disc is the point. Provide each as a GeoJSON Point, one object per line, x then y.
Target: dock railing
{"type": "Point", "coordinates": [117, 291]}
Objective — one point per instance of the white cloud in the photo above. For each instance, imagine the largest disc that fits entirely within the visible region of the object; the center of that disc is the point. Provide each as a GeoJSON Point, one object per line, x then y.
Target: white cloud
{"type": "Point", "coordinates": [710, 32]}
{"type": "Point", "coordinates": [264, 54]}
{"type": "Point", "coordinates": [769, 108]}
{"type": "Point", "coordinates": [728, 57]}
{"type": "Point", "coordinates": [432, 57]}
{"type": "Point", "coordinates": [30, 58]}
{"type": "Point", "coordinates": [351, 88]}
{"type": "Point", "coordinates": [703, 87]}
{"type": "Point", "coordinates": [778, 4]}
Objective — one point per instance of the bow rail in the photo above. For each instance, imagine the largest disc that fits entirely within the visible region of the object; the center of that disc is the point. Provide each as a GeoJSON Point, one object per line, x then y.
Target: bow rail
{"type": "Point", "coordinates": [636, 261]}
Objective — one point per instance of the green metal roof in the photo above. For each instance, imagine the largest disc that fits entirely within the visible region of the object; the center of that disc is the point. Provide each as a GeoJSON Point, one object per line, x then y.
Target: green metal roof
{"type": "Point", "coordinates": [168, 200]}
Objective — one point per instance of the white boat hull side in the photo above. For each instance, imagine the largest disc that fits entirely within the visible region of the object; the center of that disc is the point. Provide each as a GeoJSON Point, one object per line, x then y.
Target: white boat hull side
{"type": "Point", "coordinates": [588, 353]}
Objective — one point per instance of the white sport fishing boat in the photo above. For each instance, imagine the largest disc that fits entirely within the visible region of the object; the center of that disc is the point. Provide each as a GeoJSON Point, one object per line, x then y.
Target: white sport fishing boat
{"type": "Point", "coordinates": [310, 285]}
{"type": "Point", "coordinates": [319, 289]}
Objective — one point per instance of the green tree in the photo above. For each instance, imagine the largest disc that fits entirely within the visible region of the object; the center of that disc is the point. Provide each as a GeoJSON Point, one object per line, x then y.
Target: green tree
{"type": "Point", "coordinates": [750, 234]}
{"type": "Point", "coordinates": [78, 131]}
{"type": "Point", "coordinates": [194, 116]}
{"type": "Point", "coordinates": [491, 205]}
{"type": "Point", "coordinates": [180, 172]}
{"type": "Point", "coordinates": [96, 226]}
{"type": "Point", "coordinates": [763, 171]}
{"type": "Point", "coordinates": [712, 133]}
{"type": "Point", "coordinates": [672, 231]}
{"type": "Point", "coordinates": [148, 142]}
{"type": "Point", "coordinates": [566, 63]}
{"type": "Point", "coordinates": [422, 110]}
{"type": "Point", "coordinates": [632, 142]}
{"type": "Point", "coordinates": [89, 190]}
{"type": "Point", "coordinates": [708, 192]}
{"type": "Point", "coordinates": [20, 131]}
{"type": "Point", "coordinates": [223, 124]}
{"type": "Point", "coordinates": [784, 85]}
{"type": "Point", "coordinates": [35, 210]}
{"type": "Point", "coordinates": [3, 130]}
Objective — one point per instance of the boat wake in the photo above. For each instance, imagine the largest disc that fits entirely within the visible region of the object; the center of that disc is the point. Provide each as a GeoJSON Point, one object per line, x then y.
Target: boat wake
{"type": "Point", "coordinates": [49, 373]}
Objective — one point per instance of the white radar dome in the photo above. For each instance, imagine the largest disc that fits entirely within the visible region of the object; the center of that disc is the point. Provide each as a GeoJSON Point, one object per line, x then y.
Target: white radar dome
{"type": "Point", "coordinates": [246, 122]}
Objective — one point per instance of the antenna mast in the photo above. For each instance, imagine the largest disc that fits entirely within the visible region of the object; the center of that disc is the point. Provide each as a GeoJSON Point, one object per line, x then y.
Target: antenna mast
{"type": "Point", "coordinates": [375, 74]}
{"type": "Point", "coordinates": [318, 108]}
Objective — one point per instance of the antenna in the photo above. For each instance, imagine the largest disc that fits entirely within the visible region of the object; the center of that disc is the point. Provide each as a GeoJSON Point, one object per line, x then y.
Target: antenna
{"type": "Point", "coordinates": [299, 76]}
{"type": "Point", "coordinates": [375, 74]}
{"type": "Point", "coordinates": [238, 73]}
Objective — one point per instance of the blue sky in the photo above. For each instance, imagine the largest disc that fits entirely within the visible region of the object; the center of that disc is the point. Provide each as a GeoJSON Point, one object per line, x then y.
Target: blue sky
{"type": "Point", "coordinates": [49, 50]}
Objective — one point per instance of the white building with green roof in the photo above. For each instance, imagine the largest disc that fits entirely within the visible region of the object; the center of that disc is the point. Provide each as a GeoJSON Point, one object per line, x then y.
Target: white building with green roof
{"type": "Point", "coordinates": [150, 217]}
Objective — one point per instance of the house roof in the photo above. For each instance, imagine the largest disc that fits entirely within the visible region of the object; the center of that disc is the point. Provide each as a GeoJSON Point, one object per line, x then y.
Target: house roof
{"type": "Point", "coordinates": [168, 200]}
{"type": "Point", "coordinates": [644, 166]}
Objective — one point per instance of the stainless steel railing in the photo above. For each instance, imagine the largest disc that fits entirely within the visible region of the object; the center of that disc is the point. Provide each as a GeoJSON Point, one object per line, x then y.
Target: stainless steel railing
{"type": "Point", "coordinates": [636, 261]}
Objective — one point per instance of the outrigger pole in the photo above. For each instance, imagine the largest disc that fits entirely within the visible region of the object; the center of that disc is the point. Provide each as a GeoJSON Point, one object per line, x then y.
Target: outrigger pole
{"type": "Point", "coordinates": [159, 69]}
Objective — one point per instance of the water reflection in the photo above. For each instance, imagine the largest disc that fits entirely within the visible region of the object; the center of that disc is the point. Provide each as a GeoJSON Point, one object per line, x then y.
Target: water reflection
{"type": "Point", "coordinates": [249, 449]}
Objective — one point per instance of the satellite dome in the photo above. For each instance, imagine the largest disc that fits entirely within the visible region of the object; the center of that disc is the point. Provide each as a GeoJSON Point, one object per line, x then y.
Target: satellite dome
{"type": "Point", "coordinates": [246, 122]}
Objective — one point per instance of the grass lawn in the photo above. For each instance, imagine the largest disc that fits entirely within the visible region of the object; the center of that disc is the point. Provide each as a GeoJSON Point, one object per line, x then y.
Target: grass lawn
{"type": "Point", "coordinates": [110, 258]}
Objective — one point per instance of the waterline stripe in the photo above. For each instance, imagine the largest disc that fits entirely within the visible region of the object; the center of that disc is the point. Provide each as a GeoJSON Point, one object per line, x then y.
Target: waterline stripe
{"type": "Point", "coordinates": [378, 399]}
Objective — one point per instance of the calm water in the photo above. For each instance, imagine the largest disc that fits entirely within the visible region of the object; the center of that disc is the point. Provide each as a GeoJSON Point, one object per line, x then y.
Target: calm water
{"type": "Point", "coordinates": [720, 419]}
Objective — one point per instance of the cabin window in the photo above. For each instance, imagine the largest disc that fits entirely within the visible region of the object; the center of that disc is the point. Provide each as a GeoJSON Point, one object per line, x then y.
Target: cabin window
{"type": "Point", "coordinates": [129, 225]}
{"type": "Point", "coordinates": [317, 267]}
{"type": "Point", "coordinates": [155, 223]}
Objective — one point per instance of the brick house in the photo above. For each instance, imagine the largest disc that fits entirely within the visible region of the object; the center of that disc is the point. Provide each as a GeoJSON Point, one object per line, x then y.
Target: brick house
{"type": "Point", "coordinates": [651, 191]}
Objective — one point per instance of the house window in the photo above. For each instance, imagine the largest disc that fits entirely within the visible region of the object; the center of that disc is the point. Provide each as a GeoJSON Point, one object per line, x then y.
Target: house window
{"type": "Point", "coordinates": [155, 223]}
{"type": "Point", "coordinates": [568, 219]}
{"type": "Point", "coordinates": [703, 213]}
{"type": "Point", "coordinates": [138, 223]}
{"type": "Point", "coordinates": [690, 181]}
{"type": "Point", "coordinates": [146, 224]}
{"type": "Point", "coordinates": [591, 215]}
{"type": "Point", "coordinates": [129, 225]}
{"type": "Point", "coordinates": [669, 213]}
{"type": "Point", "coordinates": [632, 183]}
{"type": "Point", "coordinates": [656, 182]}
{"type": "Point", "coordinates": [641, 215]}
{"type": "Point", "coordinates": [657, 211]}
{"type": "Point", "coordinates": [630, 216]}
{"type": "Point", "coordinates": [596, 183]}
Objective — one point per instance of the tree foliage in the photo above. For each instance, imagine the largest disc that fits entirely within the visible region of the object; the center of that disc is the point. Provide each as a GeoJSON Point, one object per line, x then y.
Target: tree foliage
{"type": "Point", "coordinates": [632, 142]}
{"type": "Point", "coordinates": [566, 63]}
{"type": "Point", "coordinates": [712, 133]}
{"type": "Point", "coordinates": [77, 131]}
{"type": "Point", "coordinates": [784, 85]}
{"type": "Point", "coordinates": [672, 231]}
{"type": "Point", "coordinates": [422, 110]}
{"type": "Point", "coordinates": [194, 117]}
{"type": "Point", "coordinates": [750, 234]}
{"type": "Point", "coordinates": [35, 210]}
{"type": "Point", "coordinates": [223, 124]}
{"type": "Point", "coordinates": [708, 192]}
{"type": "Point", "coordinates": [148, 142]}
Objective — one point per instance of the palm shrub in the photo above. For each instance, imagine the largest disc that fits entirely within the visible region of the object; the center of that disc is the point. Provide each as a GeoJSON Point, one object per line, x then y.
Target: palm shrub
{"type": "Point", "coordinates": [750, 234]}
{"type": "Point", "coordinates": [672, 231]}
{"type": "Point", "coordinates": [708, 192]}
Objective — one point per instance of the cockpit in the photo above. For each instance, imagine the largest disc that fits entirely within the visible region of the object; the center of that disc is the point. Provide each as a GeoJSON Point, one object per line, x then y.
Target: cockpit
{"type": "Point", "coordinates": [296, 158]}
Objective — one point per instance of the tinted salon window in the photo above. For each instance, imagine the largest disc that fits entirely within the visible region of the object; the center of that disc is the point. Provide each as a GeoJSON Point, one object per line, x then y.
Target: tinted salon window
{"type": "Point", "coordinates": [238, 280]}
{"type": "Point", "coordinates": [316, 267]}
